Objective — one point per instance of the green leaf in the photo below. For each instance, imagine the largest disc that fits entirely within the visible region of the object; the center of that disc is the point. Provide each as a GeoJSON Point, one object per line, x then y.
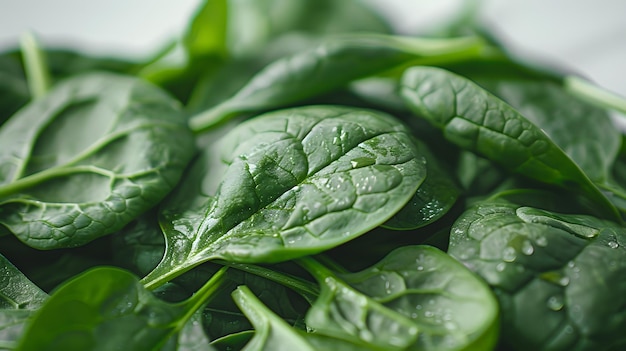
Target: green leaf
{"type": "Point", "coordinates": [558, 276]}
{"type": "Point", "coordinates": [292, 182]}
{"type": "Point", "coordinates": [16, 291]}
{"type": "Point", "coordinates": [107, 308]}
{"type": "Point", "coordinates": [206, 34]}
{"type": "Point", "coordinates": [70, 169]}
{"type": "Point", "coordinates": [592, 145]}
{"type": "Point", "coordinates": [416, 298]}
{"type": "Point", "coordinates": [253, 25]}
{"type": "Point", "coordinates": [19, 297]}
{"type": "Point", "coordinates": [329, 66]}
{"type": "Point", "coordinates": [477, 121]}
{"type": "Point", "coordinates": [13, 88]}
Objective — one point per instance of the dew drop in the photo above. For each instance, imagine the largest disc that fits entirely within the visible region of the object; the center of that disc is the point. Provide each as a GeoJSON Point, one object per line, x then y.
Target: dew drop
{"type": "Point", "coordinates": [362, 162]}
{"type": "Point", "coordinates": [556, 277]}
{"type": "Point", "coordinates": [500, 267]}
{"type": "Point", "coordinates": [527, 248]}
{"type": "Point", "coordinates": [509, 254]}
{"type": "Point", "coordinates": [555, 303]}
{"type": "Point", "coordinates": [613, 244]}
{"type": "Point", "coordinates": [542, 241]}
{"type": "Point", "coordinates": [429, 314]}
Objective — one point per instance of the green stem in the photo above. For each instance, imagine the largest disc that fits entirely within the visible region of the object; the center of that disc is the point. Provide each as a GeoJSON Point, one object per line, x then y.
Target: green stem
{"type": "Point", "coordinates": [316, 269]}
{"type": "Point", "coordinates": [35, 66]}
{"type": "Point", "coordinates": [594, 94]}
{"type": "Point", "coordinates": [202, 296]}
{"type": "Point", "coordinates": [306, 289]}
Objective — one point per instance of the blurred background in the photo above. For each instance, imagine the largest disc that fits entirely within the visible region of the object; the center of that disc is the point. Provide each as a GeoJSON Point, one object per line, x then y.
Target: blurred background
{"type": "Point", "coordinates": [585, 36]}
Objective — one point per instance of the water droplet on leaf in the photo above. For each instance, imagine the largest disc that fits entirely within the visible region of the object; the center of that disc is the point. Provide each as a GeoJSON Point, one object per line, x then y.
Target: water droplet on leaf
{"type": "Point", "coordinates": [555, 303]}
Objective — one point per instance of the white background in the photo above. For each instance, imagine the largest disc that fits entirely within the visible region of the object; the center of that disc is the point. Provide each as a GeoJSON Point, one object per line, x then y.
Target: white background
{"type": "Point", "coordinates": [588, 36]}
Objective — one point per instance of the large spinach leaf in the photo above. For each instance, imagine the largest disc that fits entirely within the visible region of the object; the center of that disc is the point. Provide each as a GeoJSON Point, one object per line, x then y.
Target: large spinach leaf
{"type": "Point", "coordinates": [294, 182]}
{"type": "Point", "coordinates": [564, 270]}
{"type": "Point", "coordinates": [329, 66]}
{"type": "Point", "coordinates": [107, 308]}
{"type": "Point", "coordinates": [416, 298]}
{"type": "Point", "coordinates": [477, 121]}
{"type": "Point", "coordinates": [70, 169]}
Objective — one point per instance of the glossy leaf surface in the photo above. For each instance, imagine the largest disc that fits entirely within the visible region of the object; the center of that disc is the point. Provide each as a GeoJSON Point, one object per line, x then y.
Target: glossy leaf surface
{"type": "Point", "coordinates": [294, 182]}
{"type": "Point", "coordinates": [85, 160]}
{"type": "Point", "coordinates": [107, 309]}
{"type": "Point", "coordinates": [19, 298]}
{"type": "Point", "coordinates": [563, 270]}
{"type": "Point", "coordinates": [436, 303]}
{"type": "Point", "coordinates": [477, 121]}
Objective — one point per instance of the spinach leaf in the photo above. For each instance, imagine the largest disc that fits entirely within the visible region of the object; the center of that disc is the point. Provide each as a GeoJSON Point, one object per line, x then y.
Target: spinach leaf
{"type": "Point", "coordinates": [19, 297]}
{"type": "Point", "coordinates": [13, 88]}
{"type": "Point", "coordinates": [294, 182]}
{"type": "Point", "coordinates": [273, 333]}
{"type": "Point", "coordinates": [416, 298]}
{"type": "Point", "coordinates": [558, 276]}
{"type": "Point", "coordinates": [593, 144]}
{"type": "Point", "coordinates": [69, 167]}
{"type": "Point", "coordinates": [477, 121]}
{"type": "Point", "coordinates": [107, 308]}
{"type": "Point", "coordinates": [329, 66]}
{"type": "Point", "coordinates": [16, 291]}
{"type": "Point", "coordinates": [254, 25]}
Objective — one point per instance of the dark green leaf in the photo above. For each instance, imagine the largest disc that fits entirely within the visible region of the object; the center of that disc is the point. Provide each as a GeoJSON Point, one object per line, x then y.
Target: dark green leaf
{"type": "Point", "coordinates": [108, 309]}
{"type": "Point", "coordinates": [327, 67]}
{"type": "Point", "coordinates": [293, 182]}
{"type": "Point", "coordinates": [477, 121]}
{"type": "Point", "coordinates": [13, 88]}
{"type": "Point", "coordinates": [416, 298]}
{"type": "Point", "coordinates": [19, 297]}
{"type": "Point", "coordinates": [592, 144]}
{"type": "Point", "coordinates": [70, 169]}
{"type": "Point", "coordinates": [558, 276]}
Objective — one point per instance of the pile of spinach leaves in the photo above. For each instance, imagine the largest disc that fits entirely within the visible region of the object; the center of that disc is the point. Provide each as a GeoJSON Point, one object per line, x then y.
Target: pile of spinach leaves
{"type": "Point", "coordinates": [293, 175]}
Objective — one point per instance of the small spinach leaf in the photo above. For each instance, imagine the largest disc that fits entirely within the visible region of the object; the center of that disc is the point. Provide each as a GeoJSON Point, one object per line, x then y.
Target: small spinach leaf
{"type": "Point", "coordinates": [294, 182]}
{"type": "Point", "coordinates": [327, 67]}
{"type": "Point", "coordinates": [107, 308]}
{"type": "Point", "coordinates": [561, 269]}
{"type": "Point", "coordinates": [436, 303]}
{"type": "Point", "coordinates": [477, 121]}
{"type": "Point", "coordinates": [69, 167]}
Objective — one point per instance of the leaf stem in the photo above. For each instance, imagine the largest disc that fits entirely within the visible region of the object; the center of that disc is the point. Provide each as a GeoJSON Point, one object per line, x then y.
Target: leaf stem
{"type": "Point", "coordinates": [306, 289]}
{"type": "Point", "coordinates": [35, 66]}
{"type": "Point", "coordinates": [202, 296]}
{"type": "Point", "coordinates": [595, 94]}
